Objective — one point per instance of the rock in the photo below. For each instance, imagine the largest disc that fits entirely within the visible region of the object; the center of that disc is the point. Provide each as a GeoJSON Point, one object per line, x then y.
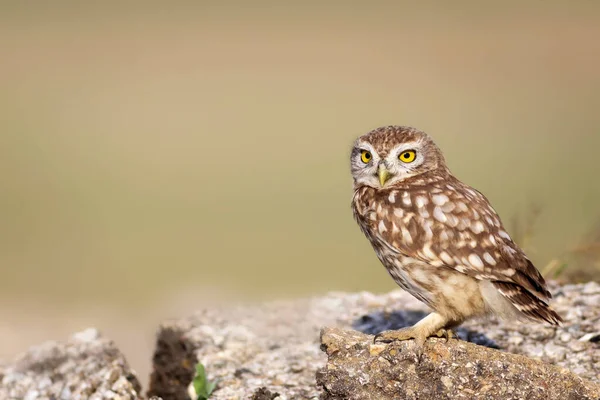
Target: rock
{"type": "Point", "coordinates": [275, 345]}
{"type": "Point", "coordinates": [591, 337]}
{"type": "Point", "coordinates": [358, 369]}
{"type": "Point", "coordinates": [86, 367]}
{"type": "Point", "coordinates": [264, 394]}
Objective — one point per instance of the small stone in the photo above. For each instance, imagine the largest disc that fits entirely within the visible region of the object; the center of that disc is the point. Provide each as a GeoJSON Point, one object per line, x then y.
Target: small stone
{"type": "Point", "coordinates": [376, 349]}
{"type": "Point", "coordinates": [31, 395]}
{"type": "Point", "coordinates": [591, 288]}
{"type": "Point", "coordinates": [111, 376]}
{"type": "Point", "coordinates": [556, 353]}
{"type": "Point", "coordinates": [536, 351]}
{"type": "Point", "coordinates": [565, 337]}
{"type": "Point", "coordinates": [577, 346]}
{"type": "Point", "coordinates": [515, 340]}
{"type": "Point", "coordinates": [65, 394]}
{"type": "Point", "coordinates": [447, 382]}
{"type": "Point", "coordinates": [591, 337]}
{"type": "Point", "coordinates": [88, 335]}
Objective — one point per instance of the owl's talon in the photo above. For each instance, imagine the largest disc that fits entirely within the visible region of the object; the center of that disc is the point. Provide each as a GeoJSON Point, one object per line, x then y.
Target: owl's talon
{"type": "Point", "coordinates": [419, 353]}
{"type": "Point", "coordinates": [446, 334]}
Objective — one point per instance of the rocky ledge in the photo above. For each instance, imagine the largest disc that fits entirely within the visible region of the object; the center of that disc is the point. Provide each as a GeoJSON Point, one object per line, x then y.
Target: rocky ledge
{"type": "Point", "coordinates": [357, 369]}
{"type": "Point", "coordinates": [273, 351]}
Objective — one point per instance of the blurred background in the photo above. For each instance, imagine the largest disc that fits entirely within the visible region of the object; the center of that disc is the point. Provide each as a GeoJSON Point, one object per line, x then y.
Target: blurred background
{"type": "Point", "coordinates": [156, 157]}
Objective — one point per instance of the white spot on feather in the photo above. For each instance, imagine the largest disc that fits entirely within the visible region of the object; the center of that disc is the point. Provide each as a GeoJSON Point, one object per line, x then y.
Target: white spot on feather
{"type": "Point", "coordinates": [448, 207]}
{"type": "Point", "coordinates": [428, 231]}
{"type": "Point", "coordinates": [444, 236]}
{"type": "Point", "coordinates": [477, 227]}
{"type": "Point", "coordinates": [406, 235]}
{"type": "Point", "coordinates": [428, 252]}
{"type": "Point", "coordinates": [475, 261]}
{"type": "Point", "coordinates": [489, 259]}
{"type": "Point", "coordinates": [421, 201]}
{"type": "Point", "coordinates": [439, 215]}
{"type": "Point", "coordinates": [460, 268]}
{"type": "Point", "coordinates": [472, 192]}
{"type": "Point", "coordinates": [392, 197]}
{"type": "Point", "coordinates": [382, 228]}
{"type": "Point", "coordinates": [463, 224]}
{"type": "Point", "coordinates": [439, 199]}
{"type": "Point", "coordinates": [452, 220]}
{"type": "Point", "coordinates": [446, 258]}
{"type": "Point", "coordinates": [504, 235]}
{"type": "Point", "coordinates": [462, 206]}
{"type": "Point", "coordinates": [406, 199]}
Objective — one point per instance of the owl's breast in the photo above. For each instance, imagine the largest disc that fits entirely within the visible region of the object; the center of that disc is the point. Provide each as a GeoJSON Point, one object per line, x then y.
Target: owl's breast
{"type": "Point", "coordinates": [385, 223]}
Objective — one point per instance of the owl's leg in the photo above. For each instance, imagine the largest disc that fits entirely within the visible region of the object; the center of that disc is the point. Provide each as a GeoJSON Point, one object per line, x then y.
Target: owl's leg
{"type": "Point", "coordinates": [432, 325]}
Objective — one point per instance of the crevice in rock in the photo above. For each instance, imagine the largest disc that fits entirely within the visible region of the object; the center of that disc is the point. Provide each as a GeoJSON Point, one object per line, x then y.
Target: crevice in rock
{"type": "Point", "coordinates": [173, 362]}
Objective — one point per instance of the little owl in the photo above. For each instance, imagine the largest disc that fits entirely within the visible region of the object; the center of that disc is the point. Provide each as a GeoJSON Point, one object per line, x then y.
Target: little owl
{"type": "Point", "coordinates": [439, 238]}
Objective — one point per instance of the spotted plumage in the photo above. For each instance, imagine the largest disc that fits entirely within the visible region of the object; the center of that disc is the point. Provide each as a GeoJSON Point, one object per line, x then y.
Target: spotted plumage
{"type": "Point", "coordinates": [440, 239]}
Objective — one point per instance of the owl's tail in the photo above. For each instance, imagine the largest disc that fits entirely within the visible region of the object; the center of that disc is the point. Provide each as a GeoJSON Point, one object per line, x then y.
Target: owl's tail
{"type": "Point", "coordinates": [527, 303]}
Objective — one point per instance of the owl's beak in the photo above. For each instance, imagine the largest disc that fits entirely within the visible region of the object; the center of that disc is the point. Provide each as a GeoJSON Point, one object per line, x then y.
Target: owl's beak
{"type": "Point", "coordinates": [383, 174]}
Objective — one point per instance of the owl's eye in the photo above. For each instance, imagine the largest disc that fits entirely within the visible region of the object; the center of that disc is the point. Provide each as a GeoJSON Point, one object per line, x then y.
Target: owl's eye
{"type": "Point", "coordinates": [365, 156]}
{"type": "Point", "coordinates": [408, 156]}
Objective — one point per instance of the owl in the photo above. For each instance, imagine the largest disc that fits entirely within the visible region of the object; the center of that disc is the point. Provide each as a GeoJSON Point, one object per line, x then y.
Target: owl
{"type": "Point", "coordinates": [439, 238]}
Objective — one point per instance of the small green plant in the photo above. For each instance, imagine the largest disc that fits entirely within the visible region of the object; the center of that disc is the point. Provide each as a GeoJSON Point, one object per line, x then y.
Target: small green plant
{"type": "Point", "coordinates": [202, 386]}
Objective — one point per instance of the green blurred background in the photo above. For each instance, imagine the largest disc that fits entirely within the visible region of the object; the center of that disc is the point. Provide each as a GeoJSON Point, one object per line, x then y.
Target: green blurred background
{"type": "Point", "coordinates": [156, 157]}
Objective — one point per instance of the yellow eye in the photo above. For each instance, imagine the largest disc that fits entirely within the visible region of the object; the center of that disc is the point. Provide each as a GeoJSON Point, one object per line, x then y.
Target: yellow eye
{"type": "Point", "coordinates": [408, 156]}
{"type": "Point", "coordinates": [365, 156]}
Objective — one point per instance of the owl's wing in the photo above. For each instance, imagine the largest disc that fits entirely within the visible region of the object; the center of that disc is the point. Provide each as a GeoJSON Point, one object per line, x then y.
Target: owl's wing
{"type": "Point", "coordinates": [455, 226]}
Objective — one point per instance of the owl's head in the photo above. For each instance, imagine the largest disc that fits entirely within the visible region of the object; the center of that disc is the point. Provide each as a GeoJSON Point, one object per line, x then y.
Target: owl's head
{"type": "Point", "coordinates": [391, 155]}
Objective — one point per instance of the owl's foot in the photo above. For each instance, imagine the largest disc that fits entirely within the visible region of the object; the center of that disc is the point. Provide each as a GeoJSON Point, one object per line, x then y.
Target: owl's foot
{"type": "Point", "coordinates": [431, 325]}
{"type": "Point", "coordinates": [401, 335]}
{"type": "Point", "coordinates": [411, 333]}
{"type": "Point", "coordinates": [405, 334]}
{"type": "Point", "coordinates": [446, 334]}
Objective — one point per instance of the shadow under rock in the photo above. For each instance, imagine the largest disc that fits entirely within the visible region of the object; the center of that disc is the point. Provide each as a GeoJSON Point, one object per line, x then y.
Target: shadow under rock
{"type": "Point", "coordinates": [377, 322]}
